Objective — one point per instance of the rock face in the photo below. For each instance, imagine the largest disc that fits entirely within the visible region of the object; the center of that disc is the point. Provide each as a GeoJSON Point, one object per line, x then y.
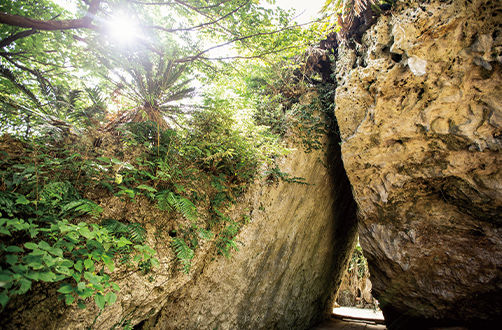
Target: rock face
{"type": "Point", "coordinates": [419, 105]}
{"type": "Point", "coordinates": [293, 254]}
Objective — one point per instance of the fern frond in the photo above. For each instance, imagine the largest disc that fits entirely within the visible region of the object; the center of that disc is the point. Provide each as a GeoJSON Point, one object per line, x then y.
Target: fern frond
{"type": "Point", "coordinates": [219, 154]}
{"type": "Point", "coordinates": [167, 201]}
{"type": "Point", "coordinates": [132, 231]}
{"type": "Point", "coordinates": [183, 253]}
{"type": "Point", "coordinates": [205, 234]}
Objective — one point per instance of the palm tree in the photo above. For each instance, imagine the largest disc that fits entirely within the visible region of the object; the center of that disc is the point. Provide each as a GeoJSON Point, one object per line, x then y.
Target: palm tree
{"type": "Point", "coordinates": [153, 86]}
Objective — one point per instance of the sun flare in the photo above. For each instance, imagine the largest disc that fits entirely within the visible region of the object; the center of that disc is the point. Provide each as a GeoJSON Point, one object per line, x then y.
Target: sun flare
{"type": "Point", "coordinates": [124, 29]}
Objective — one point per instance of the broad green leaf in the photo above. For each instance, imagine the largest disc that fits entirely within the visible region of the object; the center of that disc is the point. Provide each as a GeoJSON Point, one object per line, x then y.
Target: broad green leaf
{"type": "Point", "coordinates": [55, 251]}
{"type": "Point", "coordinates": [4, 299]}
{"type": "Point", "coordinates": [13, 248]}
{"type": "Point", "coordinates": [111, 298]}
{"type": "Point", "coordinates": [11, 259]}
{"type": "Point", "coordinates": [25, 285]}
{"type": "Point", "coordinates": [35, 265]}
{"type": "Point", "coordinates": [100, 300]}
{"type": "Point", "coordinates": [22, 200]}
{"type": "Point", "coordinates": [33, 276]}
{"type": "Point", "coordinates": [65, 288]}
{"type": "Point", "coordinates": [5, 278]}
{"type": "Point", "coordinates": [63, 270]}
{"type": "Point", "coordinates": [81, 304]}
{"type": "Point", "coordinates": [115, 286]}
{"type": "Point", "coordinates": [78, 266]}
{"type": "Point", "coordinates": [81, 285]}
{"type": "Point", "coordinates": [5, 231]}
{"type": "Point", "coordinates": [88, 263]}
{"type": "Point", "coordinates": [47, 276]}
{"type": "Point", "coordinates": [69, 299]}
{"type": "Point", "coordinates": [33, 232]}
{"type": "Point", "coordinates": [44, 245]}
{"type": "Point", "coordinates": [104, 159]}
{"type": "Point", "coordinates": [86, 233]}
{"type": "Point", "coordinates": [31, 246]}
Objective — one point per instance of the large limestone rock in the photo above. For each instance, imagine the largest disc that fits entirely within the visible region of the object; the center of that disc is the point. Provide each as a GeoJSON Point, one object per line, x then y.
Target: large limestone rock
{"type": "Point", "coordinates": [419, 105]}
{"type": "Point", "coordinates": [294, 252]}
{"type": "Point", "coordinates": [292, 260]}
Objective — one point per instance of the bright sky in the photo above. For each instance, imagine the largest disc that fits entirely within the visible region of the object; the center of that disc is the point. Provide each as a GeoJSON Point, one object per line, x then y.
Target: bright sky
{"type": "Point", "coordinates": [311, 7]}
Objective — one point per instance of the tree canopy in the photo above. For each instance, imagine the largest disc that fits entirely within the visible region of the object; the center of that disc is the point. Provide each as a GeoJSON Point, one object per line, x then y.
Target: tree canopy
{"type": "Point", "coordinates": [61, 62]}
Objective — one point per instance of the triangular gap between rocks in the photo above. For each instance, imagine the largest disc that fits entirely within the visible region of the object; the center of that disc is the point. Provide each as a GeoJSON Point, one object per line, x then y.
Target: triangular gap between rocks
{"type": "Point", "coordinates": [354, 300]}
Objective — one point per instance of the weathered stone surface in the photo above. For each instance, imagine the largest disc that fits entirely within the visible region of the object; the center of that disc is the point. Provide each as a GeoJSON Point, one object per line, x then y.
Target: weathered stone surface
{"type": "Point", "coordinates": [294, 252]}
{"type": "Point", "coordinates": [420, 117]}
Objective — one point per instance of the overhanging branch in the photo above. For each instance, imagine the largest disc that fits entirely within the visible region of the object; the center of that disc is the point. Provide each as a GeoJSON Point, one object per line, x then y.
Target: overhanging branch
{"type": "Point", "coordinates": [53, 25]}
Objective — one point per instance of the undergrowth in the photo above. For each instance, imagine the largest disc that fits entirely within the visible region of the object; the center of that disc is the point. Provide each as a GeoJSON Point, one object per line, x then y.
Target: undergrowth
{"type": "Point", "coordinates": [53, 230]}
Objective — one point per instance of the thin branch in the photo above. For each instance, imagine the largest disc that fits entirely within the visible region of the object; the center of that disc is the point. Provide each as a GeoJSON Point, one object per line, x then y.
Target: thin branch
{"type": "Point", "coordinates": [23, 34]}
{"type": "Point", "coordinates": [215, 5]}
{"type": "Point", "coordinates": [200, 25]}
{"type": "Point", "coordinates": [152, 3]}
{"type": "Point", "coordinates": [19, 66]}
{"type": "Point", "coordinates": [52, 25]}
{"type": "Point", "coordinates": [246, 57]}
{"type": "Point", "coordinates": [199, 55]}
{"type": "Point", "coordinates": [178, 3]}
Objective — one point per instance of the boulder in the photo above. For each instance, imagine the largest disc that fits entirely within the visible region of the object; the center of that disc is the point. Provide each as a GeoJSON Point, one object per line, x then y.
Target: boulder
{"type": "Point", "coordinates": [419, 106]}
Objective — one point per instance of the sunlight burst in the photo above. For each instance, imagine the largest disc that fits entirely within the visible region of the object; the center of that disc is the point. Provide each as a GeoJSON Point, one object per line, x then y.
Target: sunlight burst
{"type": "Point", "coordinates": [124, 29]}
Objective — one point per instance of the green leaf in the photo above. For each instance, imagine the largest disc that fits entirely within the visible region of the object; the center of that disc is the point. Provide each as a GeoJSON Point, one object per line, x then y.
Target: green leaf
{"type": "Point", "coordinates": [5, 278]}
{"type": "Point", "coordinates": [4, 299]}
{"type": "Point", "coordinates": [81, 285]}
{"type": "Point", "coordinates": [11, 259]}
{"type": "Point", "coordinates": [44, 245]}
{"type": "Point", "coordinates": [22, 200]}
{"type": "Point", "coordinates": [55, 251]}
{"type": "Point", "coordinates": [77, 276]}
{"type": "Point", "coordinates": [86, 233]}
{"type": "Point", "coordinates": [145, 187]}
{"type": "Point", "coordinates": [110, 298]}
{"type": "Point", "coordinates": [137, 258]}
{"type": "Point", "coordinates": [65, 288]}
{"type": "Point", "coordinates": [33, 232]}
{"type": "Point", "coordinates": [88, 263]}
{"type": "Point", "coordinates": [25, 285]}
{"type": "Point", "coordinates": [13, 248]}
{"type": "Point", "coordinates": [38, 252]}
{"type": "Point", "coordinates": [100, 300]}
{"type": "Point", "coordinates": [63, 270]}
{"type": "Point", "coordinates": [69, 299]}
{"type": "Point", "coordinates": [47, 276]}
{"type": "Point", "coordinates": [31, 246]}
{"type": "Point", "coordinates": [32, 276]}
{"type": "Point", "coordinates": [81, 304]}
{"type": "Point", "coordinates": [115, 286]}
{"type": "Point", "coordinates": [35, 265]}
{"type": "Point", "coordinates": [78, 266]}
{"type": "Point", "coordinates": [104, 159]}
{"type": "Point", "coordinates": [4, 231]}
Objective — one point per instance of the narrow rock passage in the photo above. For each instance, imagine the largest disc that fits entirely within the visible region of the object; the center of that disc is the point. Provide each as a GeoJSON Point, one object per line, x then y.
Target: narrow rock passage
{"type": "Point", "coordinates": [333, 323]}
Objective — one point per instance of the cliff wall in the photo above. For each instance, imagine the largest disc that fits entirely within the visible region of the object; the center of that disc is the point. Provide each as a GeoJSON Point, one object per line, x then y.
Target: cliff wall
{"type": "Point", "coordinates": [291, 263]}
{"type": "Point", "coordinates": [419, 105]}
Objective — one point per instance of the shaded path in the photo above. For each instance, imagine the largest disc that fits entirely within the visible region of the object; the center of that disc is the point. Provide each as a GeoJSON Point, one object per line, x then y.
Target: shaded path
{"type": "Point", "coordinates": [337, 324]}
